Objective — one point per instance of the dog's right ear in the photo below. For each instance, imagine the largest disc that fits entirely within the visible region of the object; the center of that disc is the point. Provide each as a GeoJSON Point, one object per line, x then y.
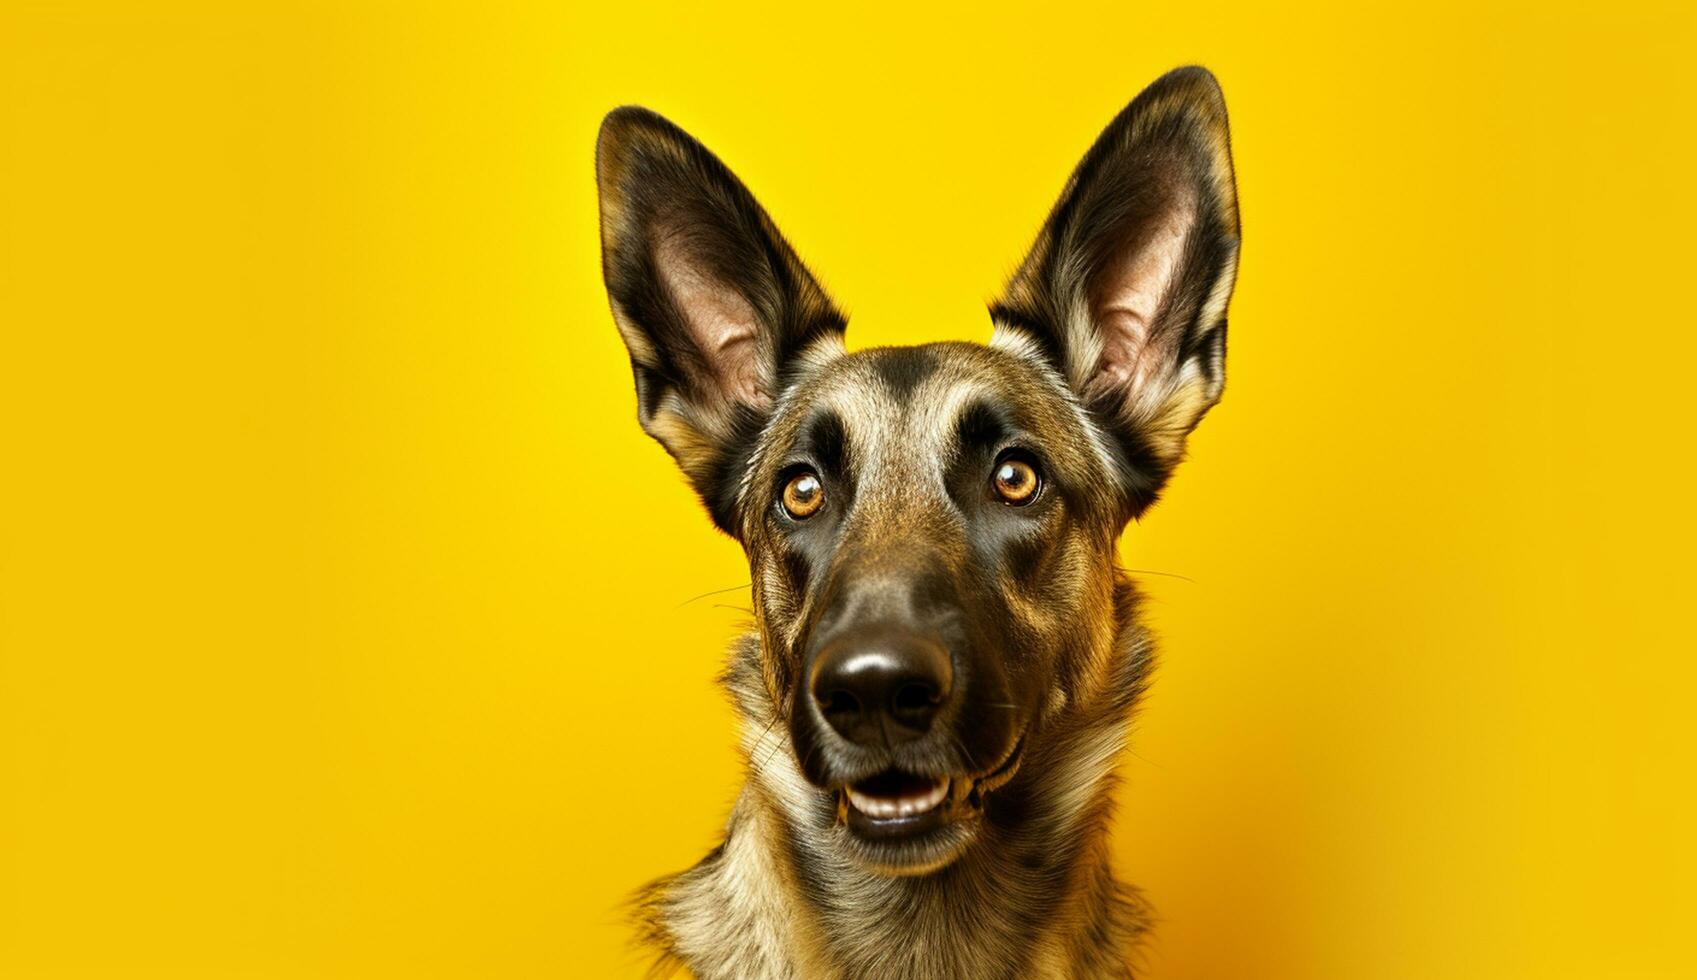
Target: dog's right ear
{"type": "Point", "coordinates": [712, 303]}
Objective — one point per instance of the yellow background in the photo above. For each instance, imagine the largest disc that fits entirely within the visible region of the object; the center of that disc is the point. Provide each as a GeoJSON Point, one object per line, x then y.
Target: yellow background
{"type": "Point", "coordinates": [343, 619]}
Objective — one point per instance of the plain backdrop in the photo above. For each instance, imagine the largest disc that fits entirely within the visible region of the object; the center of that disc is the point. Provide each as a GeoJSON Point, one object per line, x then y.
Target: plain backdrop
{"type": "Point", "coordinates": [349, 627]}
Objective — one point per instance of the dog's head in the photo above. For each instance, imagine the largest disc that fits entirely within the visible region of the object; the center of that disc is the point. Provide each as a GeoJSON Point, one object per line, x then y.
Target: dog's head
{"type": "Point", "coordinates": [931, 530]}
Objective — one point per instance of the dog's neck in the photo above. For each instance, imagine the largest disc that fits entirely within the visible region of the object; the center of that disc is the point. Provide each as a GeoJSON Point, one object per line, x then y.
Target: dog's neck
{"type": "Point", "coordinates": [1032, 896]}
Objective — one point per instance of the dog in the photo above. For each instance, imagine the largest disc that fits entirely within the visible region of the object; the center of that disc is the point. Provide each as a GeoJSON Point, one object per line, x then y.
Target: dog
{"type": "Point", "coordinates": [945, 653]}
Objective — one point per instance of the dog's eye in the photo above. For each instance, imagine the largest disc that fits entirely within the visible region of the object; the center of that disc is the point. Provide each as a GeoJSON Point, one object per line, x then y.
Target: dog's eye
{"type": "Point", "coordinates": [804, 495]}
{"type": "Point", "coordinates": [1016, 481]}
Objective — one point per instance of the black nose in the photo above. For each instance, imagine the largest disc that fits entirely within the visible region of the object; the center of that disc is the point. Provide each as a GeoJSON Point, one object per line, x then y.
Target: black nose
{"type": "Point", "coordinates": [881, 686]}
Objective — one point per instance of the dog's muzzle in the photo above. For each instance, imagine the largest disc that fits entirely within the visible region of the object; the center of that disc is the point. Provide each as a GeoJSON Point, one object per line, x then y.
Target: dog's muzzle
{"type": "Point", "coordinates": [892, 716]}
{"type": "Point", "coordinates": [888, 693]}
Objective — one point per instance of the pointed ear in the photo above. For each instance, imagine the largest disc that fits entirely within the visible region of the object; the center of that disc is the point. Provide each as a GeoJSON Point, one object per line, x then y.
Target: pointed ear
{"type": "Point", "coordinates": [712, 303]}
{"type": "Point", "coordinates": [1125, 292]}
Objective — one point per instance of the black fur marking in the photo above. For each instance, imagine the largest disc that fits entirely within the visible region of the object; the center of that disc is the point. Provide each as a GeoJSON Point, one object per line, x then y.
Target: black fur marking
{"type": "Point", "coordinates": [903, 369]}
{"type": "Point", "coordinates": [1145, 473]}
{"type": "Point", "coordinates": [824, 439]}
{"type": "Point", "coordinates": [719, 489]}
{"type": "Point", "coordinates": [981, 427]}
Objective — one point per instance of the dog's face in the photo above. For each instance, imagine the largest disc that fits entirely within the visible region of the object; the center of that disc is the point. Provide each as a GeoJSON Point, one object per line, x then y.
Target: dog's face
{"type": "Point", "coordinates": [931, 530]}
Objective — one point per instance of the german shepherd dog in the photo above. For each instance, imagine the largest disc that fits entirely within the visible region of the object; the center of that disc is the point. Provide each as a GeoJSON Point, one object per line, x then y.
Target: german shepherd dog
{"type": "Point", "coordinates": [945, 653]}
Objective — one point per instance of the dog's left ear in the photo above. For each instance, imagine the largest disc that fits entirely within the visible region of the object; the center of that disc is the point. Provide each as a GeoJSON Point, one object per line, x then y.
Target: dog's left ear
{"type": "Point", "coordinates": [1125, 291]}
{"type": "Point", "coordinates": [714, 306]}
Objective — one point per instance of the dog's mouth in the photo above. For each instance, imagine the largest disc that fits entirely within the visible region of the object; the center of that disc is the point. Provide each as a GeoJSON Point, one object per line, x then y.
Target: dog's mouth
{"type": "Point", "coordinates": [901, 822]}
{"type": "Point", "coordinates": [893, 795]}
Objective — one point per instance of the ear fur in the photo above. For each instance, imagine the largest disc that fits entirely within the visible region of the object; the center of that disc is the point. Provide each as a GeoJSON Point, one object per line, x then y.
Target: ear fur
{"type": "Point", "coordinates": [713, 305]}
{"type": "Point", "coordinates": [1125, 291]}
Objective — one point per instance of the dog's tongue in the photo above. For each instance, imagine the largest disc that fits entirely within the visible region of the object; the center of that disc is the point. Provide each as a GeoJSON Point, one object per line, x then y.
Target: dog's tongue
{"type": "Point", "coordinates": [897, 794]}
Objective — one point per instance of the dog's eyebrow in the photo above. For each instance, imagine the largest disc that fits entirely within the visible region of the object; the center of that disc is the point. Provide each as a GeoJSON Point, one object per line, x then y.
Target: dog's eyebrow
{"type": "Point", "coordinates": [824, 438]}
{"type": "Point", "coordinates": [981, 424]}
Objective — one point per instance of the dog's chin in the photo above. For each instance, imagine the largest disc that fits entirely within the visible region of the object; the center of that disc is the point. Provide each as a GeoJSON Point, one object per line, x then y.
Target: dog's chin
{"type": "Point", "coordinates": [901, 824]}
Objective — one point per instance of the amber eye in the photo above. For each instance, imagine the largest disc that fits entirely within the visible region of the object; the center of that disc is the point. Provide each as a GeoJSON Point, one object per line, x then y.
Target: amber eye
{"type": "Point", "coordinates": [803, 495]}
{"type": "Point", "coordinates": [1016, 481]}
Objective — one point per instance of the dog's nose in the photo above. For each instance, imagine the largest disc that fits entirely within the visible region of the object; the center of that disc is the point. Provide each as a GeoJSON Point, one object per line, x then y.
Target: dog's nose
{"type": "Point", "coordinates": [882, 686]}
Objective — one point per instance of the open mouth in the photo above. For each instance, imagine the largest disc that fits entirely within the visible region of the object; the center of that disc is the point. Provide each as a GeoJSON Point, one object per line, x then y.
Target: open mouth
{"type": "Point", "coordinates": [907, 823]}
{"type": "Point", "coordinates": [894, 795]}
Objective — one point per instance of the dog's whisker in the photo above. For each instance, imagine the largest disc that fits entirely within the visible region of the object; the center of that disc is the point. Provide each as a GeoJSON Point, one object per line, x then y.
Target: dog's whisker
{"type": "Point", "coordinates": [963, 757]}
{"type": "Point", "coordinates": [1143, 758]}
{"type": "Point", "coordinates": [759, 767]}
{"type": "Point", "coordinates": [1151, 571]}
{"type": "Point", "coordinates": [715, 592]}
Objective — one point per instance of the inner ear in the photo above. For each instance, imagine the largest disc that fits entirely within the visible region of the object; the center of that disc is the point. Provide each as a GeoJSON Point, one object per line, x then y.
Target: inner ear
{"type": "Point", "coordinates": [1130, 293]}
{"type": "Point", "coordinates": [721, 323]}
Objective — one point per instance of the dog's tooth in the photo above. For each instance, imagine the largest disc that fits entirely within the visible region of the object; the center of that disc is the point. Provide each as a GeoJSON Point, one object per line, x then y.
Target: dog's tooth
{"type": "Point", "coordinates": [883, 808]}
{"type": "Point", "coordinates": [865, 804]}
